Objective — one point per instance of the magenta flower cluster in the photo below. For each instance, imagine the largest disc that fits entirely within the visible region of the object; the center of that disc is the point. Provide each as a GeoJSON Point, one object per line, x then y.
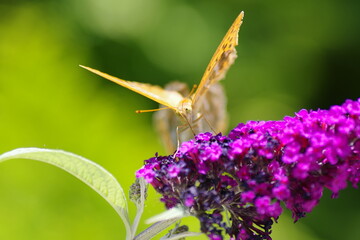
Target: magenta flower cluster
{"type": "Point", "coordinates": [235, 184]}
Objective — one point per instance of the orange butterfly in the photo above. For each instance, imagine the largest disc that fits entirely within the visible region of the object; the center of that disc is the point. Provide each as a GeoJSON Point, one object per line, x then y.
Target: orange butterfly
{"type": "Point", "coordinates": [202, 111]}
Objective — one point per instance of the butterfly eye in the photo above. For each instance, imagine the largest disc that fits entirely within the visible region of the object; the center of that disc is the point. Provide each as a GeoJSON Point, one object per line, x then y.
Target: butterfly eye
{"type": "Point", "coordinates": [186, 105]}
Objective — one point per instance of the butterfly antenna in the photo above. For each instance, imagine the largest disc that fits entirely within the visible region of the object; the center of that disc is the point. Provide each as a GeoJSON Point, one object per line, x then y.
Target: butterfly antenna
{"type": "Point", "coordinates": [151, 110]}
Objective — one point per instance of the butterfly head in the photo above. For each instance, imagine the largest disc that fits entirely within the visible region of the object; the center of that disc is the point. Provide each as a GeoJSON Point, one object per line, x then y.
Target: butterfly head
{"type": "Point", "coordinates": [185, 107]}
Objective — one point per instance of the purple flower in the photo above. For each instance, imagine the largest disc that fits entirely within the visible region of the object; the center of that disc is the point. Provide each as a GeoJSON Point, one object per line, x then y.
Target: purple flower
{"type": "Point", "coordinates": [259, 165]}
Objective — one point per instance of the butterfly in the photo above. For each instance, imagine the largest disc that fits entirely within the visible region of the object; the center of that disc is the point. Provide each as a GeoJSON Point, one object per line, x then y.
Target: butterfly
{"type": "Point", "coordinates": [190, 113]}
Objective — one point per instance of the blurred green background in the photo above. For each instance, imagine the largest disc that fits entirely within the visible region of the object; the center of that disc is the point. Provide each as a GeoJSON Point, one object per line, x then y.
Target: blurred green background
{"type": "Point", "coordinates": [292, 55]}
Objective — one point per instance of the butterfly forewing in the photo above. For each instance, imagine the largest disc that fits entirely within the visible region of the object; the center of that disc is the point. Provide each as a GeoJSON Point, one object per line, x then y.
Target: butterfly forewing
{"type": "Point", "coordinates": [222, 59]}
{"type": "Point", "coordinates": [165, 97]}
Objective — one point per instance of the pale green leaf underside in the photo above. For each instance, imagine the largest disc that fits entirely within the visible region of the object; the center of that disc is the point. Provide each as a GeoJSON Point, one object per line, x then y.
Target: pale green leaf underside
{"type": "Point", "coordinates": [87, 171]}
{"type": "Point", "coordinates": [176, 212]}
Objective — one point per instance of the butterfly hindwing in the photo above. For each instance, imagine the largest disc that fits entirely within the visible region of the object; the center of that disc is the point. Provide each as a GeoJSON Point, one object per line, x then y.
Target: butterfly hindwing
{"type": "Point", "coordinates": [212, 109]}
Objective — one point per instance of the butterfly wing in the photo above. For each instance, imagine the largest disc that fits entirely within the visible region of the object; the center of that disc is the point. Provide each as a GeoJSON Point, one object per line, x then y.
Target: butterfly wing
{"type": "Point", "coordinates": [209, 104]}
{"type": "Point", "coordinates": [165, 97]}
{"type": "Point", "coordinates": [222, 59]}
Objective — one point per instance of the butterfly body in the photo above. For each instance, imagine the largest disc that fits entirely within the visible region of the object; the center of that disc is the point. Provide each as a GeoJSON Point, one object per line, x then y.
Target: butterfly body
{"type": "Point", "coordinates": [190, 114]}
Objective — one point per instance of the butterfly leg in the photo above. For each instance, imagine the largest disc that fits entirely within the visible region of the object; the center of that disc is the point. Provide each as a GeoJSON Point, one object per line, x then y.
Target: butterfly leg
{"type": "Point", "coordinates": [206, 120]}
{"type": "Point", "coordinates": [210, 125]}
{"type": "Point", "coordinates": [188, 124]}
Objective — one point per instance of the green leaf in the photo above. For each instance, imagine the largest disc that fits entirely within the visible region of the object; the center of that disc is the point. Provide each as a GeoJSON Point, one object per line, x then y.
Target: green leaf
{"type": "Point", "coordinates": [87, 171]}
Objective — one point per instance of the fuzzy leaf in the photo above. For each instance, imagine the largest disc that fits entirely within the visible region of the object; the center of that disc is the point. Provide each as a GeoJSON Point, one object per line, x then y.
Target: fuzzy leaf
{"type": "Point", "coordinates": [87, 171]}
